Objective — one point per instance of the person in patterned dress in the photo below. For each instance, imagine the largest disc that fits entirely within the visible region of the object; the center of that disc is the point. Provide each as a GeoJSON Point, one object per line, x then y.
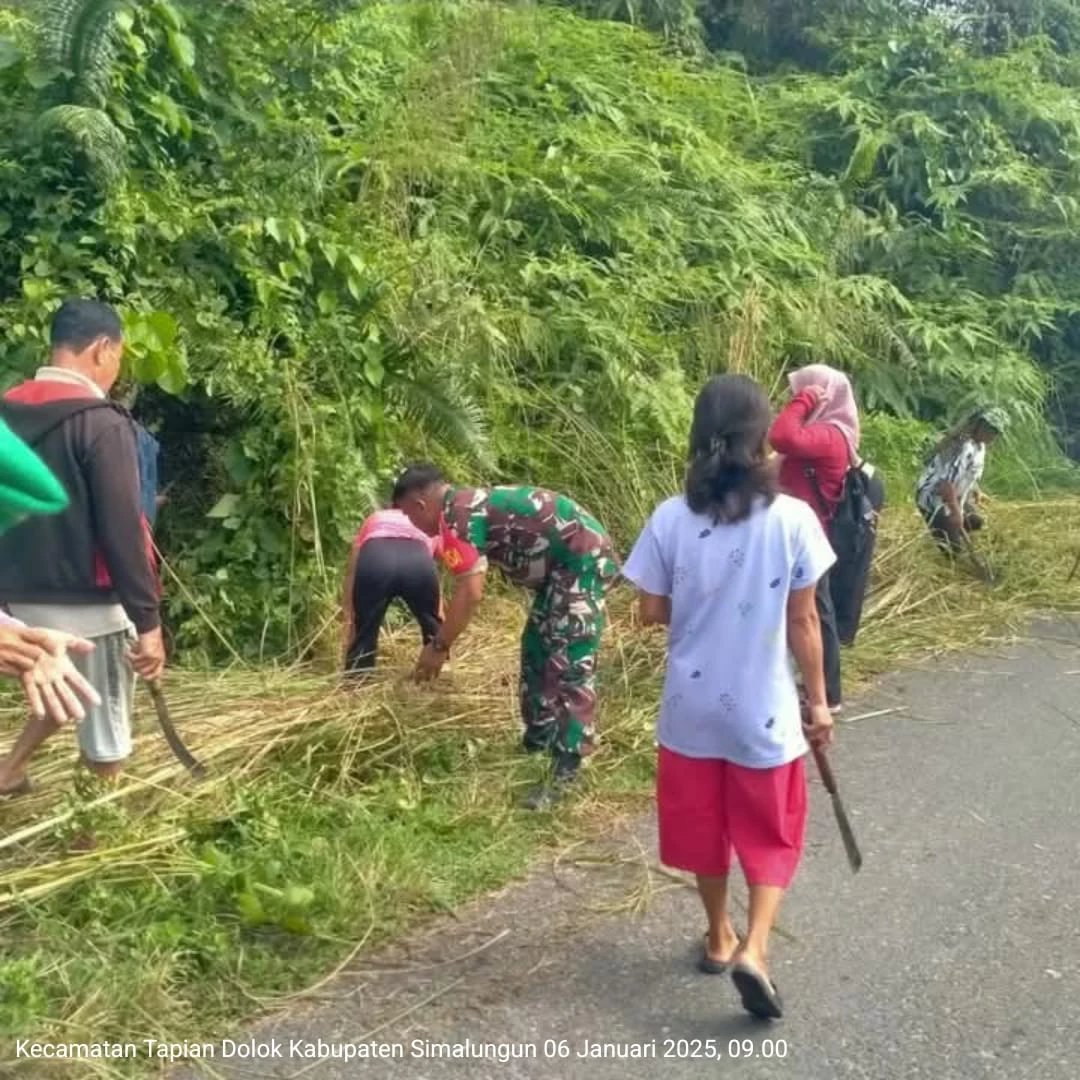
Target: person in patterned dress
{"type": "Point", "coordinates": [550, 545]}
{"type": "Point", "coordinates": [947, 494]}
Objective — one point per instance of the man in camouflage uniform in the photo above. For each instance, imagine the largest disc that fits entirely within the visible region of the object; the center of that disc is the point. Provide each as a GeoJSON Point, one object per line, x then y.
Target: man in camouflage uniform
{"type": "Point", "coordinates": [548, 544]}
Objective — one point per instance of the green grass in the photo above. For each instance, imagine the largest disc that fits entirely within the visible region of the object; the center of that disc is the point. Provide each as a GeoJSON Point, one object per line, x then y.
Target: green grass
{"type": "Point", "coordinates": [272, 900]}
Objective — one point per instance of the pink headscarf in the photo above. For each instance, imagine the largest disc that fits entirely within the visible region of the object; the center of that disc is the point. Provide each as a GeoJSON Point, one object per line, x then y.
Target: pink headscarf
{"type": "Point", "coordinates": [837, 406]}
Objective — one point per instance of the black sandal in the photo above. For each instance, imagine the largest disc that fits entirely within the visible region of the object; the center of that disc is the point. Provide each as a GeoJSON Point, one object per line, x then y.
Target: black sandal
{"type": "Point", "coordinates": [759, 994]}
{"type": "Point", "coordinates": [708, 966]}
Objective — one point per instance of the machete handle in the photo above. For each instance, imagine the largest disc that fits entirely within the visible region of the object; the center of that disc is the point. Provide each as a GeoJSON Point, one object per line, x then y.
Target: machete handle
{"type": "Point", "coordinates": [823, 766]}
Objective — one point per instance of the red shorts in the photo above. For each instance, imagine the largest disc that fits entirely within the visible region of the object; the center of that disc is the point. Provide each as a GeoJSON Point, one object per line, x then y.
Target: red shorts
{"type": "Point", "coordinates": [707, 806]}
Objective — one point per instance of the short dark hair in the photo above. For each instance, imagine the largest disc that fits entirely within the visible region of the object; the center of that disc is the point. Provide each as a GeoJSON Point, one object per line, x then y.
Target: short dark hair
{"type": "Point", "coordinates": [728, 469]}
{"type": "Point", "coordinates": [416, 477]}
{"type": "Point", "coordinates": [79, 323]}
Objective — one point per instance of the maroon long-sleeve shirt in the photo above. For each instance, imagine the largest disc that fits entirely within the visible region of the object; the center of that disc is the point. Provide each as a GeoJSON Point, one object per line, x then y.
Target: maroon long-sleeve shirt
{"type": "Point", "coordinates": [820, 447]}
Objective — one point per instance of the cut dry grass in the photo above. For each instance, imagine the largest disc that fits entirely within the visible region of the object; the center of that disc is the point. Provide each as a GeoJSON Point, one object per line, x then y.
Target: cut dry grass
{"type": "Point", "coordinates": [333, 818]}
{"type": "Point", "coordinates": [243, 725]}
{"type": "Point", "coordinates": [922, 604]}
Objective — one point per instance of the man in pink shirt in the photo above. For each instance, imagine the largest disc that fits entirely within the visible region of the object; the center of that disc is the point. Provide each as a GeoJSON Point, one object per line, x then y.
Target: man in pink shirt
{"type": "Point", "coordinates": [391, 558]}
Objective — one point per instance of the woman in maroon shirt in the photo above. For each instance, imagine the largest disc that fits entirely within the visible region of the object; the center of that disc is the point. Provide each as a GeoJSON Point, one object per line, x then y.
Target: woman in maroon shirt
{"type": "Point", "coordinates": [817, 434]}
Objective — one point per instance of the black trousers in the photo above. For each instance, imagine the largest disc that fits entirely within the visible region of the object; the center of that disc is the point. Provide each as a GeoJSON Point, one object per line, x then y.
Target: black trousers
{"type": "Point", "coordinates": [830, 641]}
{"type": "Point", "coordinates": [388, 569]}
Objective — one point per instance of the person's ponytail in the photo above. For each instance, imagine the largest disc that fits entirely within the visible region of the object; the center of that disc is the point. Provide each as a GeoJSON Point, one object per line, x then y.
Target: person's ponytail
{"type": "Point", "coordinates": [727, 470]}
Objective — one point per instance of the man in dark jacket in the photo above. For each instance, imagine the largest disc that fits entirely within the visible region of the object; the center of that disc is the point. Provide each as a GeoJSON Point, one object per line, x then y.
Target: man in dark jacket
{"type": "Point", "coordinates": [87, 571]}
{"type": "Point", "coordinates": [39, 659]}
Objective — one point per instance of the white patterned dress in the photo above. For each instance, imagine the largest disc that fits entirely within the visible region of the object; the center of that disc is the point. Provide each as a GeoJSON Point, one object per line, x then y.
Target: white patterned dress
{"type": "Point", "coordinates": [960, 465]}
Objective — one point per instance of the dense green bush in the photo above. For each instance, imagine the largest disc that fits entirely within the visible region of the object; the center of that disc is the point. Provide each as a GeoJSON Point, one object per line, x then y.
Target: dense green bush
{"type": "Point", "coordinates": [517, 238]}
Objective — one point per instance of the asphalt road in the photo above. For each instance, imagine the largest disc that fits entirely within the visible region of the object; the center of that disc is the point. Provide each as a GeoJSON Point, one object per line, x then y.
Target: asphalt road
{"type": "Point", "coordinates": [955, 953]}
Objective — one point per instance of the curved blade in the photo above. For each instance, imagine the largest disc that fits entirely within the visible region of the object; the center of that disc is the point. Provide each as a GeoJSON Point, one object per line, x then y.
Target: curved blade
{"type": "Point", "coordinates": [176, 744]}
{"type": "Point", "coordinates": [847, 834]}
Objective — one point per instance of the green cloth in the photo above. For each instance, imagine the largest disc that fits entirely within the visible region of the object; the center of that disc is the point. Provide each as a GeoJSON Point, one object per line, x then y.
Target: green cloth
{"type": "Point", "coordinates": [26, 485]}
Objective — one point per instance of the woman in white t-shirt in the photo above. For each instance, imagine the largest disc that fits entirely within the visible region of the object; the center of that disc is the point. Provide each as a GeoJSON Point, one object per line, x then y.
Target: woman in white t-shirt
{"type": "Point", "coordinates": [730, 567]}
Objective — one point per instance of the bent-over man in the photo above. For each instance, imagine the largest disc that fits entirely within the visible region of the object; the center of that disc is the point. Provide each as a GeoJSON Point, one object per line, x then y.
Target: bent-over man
{"type": "Point", "coordinates": [550, 545]}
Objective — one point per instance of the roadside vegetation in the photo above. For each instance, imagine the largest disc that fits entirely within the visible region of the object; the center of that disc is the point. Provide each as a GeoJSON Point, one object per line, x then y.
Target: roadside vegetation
{"type": "Point", "coordinates": [514, 238]}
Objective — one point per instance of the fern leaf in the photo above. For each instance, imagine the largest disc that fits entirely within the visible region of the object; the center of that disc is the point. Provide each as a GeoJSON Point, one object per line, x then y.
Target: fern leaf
{"type": "Point", "coordinates": [79, 36]}
{"type": "Point", "coordinates": [92, 132]}
{"type": "Point", "coordinates": [442, 405]}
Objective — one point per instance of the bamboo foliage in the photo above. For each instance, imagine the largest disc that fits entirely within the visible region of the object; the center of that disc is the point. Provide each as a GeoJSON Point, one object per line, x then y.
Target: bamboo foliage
{"type": "Point", "coordinates": [463, 231]}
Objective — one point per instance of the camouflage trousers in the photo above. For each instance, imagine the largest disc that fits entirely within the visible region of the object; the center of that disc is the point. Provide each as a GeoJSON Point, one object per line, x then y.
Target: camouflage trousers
{"type": "Point", "coordinates": [558, 658]}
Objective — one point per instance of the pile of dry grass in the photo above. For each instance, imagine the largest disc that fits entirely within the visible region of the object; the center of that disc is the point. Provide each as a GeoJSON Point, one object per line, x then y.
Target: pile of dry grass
{"type": "Point", "coordinates": [924, 604]}
{"type": "Point", "coordinates": [241, 723]}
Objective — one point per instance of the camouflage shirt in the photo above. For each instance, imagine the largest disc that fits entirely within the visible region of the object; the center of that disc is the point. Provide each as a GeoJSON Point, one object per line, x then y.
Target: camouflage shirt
{"type": "Point", "coordinates": [526, 532]}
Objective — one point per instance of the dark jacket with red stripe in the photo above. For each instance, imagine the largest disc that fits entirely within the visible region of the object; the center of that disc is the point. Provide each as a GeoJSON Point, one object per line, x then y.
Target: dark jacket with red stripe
{"type": "Point", "coordinates": [99, 550]}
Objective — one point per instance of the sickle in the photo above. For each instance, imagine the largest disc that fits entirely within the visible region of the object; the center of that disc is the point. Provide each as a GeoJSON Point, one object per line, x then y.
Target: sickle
{"type": "Point", "coordinates": [176, 744]}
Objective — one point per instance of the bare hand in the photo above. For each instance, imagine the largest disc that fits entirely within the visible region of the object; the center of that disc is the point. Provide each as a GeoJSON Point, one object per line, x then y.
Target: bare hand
{"type": "Point", "coordinates": [429, 663]}
{"type": "Point", "coordinates": [51, 683]}
{"type": "Point", "coordinates": [20, 649]}
{"type": "Point", "coordinates": [148, 655]}
{"type": "Point", "coordinates": [818, 393]}
{"type": "Point", "coordinates": [819, 725]}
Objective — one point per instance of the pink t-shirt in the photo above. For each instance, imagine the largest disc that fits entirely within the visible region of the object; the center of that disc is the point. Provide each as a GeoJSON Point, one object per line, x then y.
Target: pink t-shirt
{"type": "Point", "coordinates": [393, 525]}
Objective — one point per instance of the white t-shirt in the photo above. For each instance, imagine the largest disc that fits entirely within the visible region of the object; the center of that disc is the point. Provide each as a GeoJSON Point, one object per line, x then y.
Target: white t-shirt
{"type": "Point", "coordinates": [729, 690]}
{"type": "Point", "coordinates": [82, 620]}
